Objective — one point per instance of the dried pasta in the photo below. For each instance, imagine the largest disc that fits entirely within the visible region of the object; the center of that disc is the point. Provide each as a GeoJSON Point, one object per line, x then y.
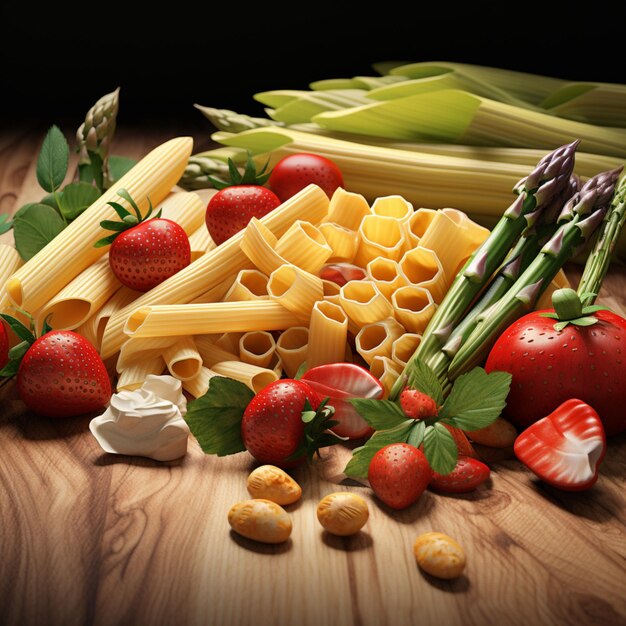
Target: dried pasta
{"type": "Point", "coordinates": [328, 333]}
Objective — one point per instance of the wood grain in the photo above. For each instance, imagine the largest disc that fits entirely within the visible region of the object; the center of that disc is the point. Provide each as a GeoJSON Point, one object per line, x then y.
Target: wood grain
{"type": "Point", "coordinates": [89, 538]}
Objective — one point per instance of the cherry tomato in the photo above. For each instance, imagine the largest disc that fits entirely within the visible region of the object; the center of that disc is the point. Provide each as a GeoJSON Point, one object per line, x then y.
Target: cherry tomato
{"type": "Point", "coordinates": [296, 171]}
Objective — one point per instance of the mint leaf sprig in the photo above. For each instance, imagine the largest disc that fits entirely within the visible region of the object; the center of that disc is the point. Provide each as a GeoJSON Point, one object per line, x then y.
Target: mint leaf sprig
{"type": "Point", "coordinates": [475, 401]}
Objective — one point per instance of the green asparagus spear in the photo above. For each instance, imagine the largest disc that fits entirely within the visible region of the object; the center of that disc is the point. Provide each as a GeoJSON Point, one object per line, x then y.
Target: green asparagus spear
{"type": "Point", "coordinates": [233, 122]}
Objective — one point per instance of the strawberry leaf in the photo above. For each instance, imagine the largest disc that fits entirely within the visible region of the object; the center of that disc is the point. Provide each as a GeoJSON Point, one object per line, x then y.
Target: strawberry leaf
{"type": "Point", "coordinates": [119, 166]}
{"type": "Point", "coordinates": [24, 333]}
{"type": "Point", "coordinates": [440, 449]}
{"type": "Point", "coordinates": [301, 371]}
{"type": "Point", "coordinates": [53, 160]}
{"type": "Point", "coordinates": [215, 418]}
{"type": "Point", "coordinates": [379, 414]}
{"type": "Point", "coordinates": [421, 377]}
{"type": "Point", "coordinates": [77, 197]}
{"type": "Point", "coordinates": [10, 369]}
{"type": "Point", "coordinates": [34, 228]}
{"type": "Point", "coordinates": [416, 434]}
{"type": "Point", "coordinates": [5, 223]}
{"type": "Point", "coordinates": [361, 457]}
{"type": "Point", "coordinates": [476, 399]}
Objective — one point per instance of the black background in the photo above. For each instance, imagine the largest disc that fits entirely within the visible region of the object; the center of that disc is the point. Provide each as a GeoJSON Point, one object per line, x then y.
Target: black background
{"type": "Point", "coordinates": [57, 61]}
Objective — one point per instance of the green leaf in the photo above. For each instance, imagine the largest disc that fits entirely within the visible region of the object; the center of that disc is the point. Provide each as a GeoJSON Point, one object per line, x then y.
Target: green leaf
{"type": "Point", "coordinates": [24, 333]}
{"type": "Point", "coordinates": [301, 371]}
{"type": "Point", "coordinates": [111, 225]}
{"type": "Point", "coordinates": [585, 321]}
{"type": "Point", "coordinates": [10, 369]}
{"type": "Point", "coordinates": [379, 414]}
{"type": "Point", "coordinates": [76, 198]}
{"type": "Point", "coordinates": [105, 241]}
{"type": "Point", "coordinates": [17, 352]}
{"type": "Point", "coordinates": [361, 457]}
{"type": "Point", "coordinates": [440, 449]}
{"type": "Point", "coordinates": [5, 223]}
{"type": "Point", "coordinates": [122, 193]}
{"type": "Point", "coordinates": [476, 399]}
{"type": "Point", "coordinates": [416, 434]}
{"type": "Point", "coordinates": [35, 228]}
{"type": "Point", "coordinates": [85, 173]}
{"type": "Point", "coordinates": [559, 326]}
{"type": "Point", "coordinates": [51, 200]}
{"type": "Point", "coordinates": [119, 209]}
{"type": "Point", "coordinates": [593, 308]}
{"type": "Point", "coordinates": [215, 418]}
{"type": "Point", "coordinates": [119, 166]}
{"type": "Point", "coordinates": [25, 208]}
{"type": "Point", "coordinates": [46, 328]}
{"type": "Point", "coordinates": [421, 377]}
{"type": "Point", "coordinates": [53, 160]}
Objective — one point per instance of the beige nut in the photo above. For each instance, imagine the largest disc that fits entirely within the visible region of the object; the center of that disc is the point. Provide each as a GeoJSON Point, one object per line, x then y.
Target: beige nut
{"type": "Point", "coordinates": [500, 434]}
{"type": "Point", "coordinates": [342, 513]}
{"type": "Point", "coordinates": [261, 520]}
{"type": "Point", "coordinates": [439, 555]}
{"type": "Point", "coordinates": [272, 483]}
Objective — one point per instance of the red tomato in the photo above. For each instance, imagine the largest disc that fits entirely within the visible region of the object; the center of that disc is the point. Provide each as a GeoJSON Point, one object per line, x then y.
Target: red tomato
{"type": "Point", "coordinates": [296, 171]}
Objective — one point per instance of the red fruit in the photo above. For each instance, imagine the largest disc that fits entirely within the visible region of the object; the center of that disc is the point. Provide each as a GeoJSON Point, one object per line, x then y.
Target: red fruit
{"type": "Point", "coordinates": [468, 474]}
{"type": "Point", "coordinates": [142, 257]}
{"type": "Point", "coordinates": [4, 345]}
{"type": "Point", "coordinates": [565, 449]}
{"type": "Point", "coordinates": [417, 405]}
{"type": "Point", "coordinates": [294, 172]}
{"type": "Point", "coordinates": [549, 367]}
{"type": "Point", "coordinates": [62, 375]}
{"type": "Point", "coordinates": [341, 273]}
{"type": "Point", "coordinates": [231, 208]}
{"type": "Point", "coordinates": [463, 445]}
{"type": "Point", "coordinates": [399, 474]}
{"type": "Point", "coordinates": [272, 427]}
{"type": "Point", "coordinates": [339, 382]}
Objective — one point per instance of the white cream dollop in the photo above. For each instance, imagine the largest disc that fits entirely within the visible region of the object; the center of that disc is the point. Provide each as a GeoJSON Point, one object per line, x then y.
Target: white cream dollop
{"type": "Point", "coordinates": [146, 422]}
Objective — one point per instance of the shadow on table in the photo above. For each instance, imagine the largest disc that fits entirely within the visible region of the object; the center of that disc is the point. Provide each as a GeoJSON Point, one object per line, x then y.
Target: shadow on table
{"type": "Point", "coordinates": [353, 543]}
{"type": "Point", "coordinates": [261, 548]}
{"type": "Point", "coordinates": [411, 514]}
{"type": "Point", "coordinates": [456, 585]}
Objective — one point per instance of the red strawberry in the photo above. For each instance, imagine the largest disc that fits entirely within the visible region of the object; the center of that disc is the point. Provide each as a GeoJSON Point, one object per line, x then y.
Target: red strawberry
{"type": "Point", "coordinates": [62, 375]}
{"type": "Point", "coordinates": [566, 448]}
{"type": "Point", "coordinates": [551, 365]}
{"type": "Point", "coordinates": [468, 474]}
{"type": "Point", "coordinates": [281, 423]}
{"type": "Point", "coordinates": [399, 474]}
{"type": "Point", "coordinates": [341, 273]}
{"type": "Point", "coordinates": [339, 382]}
{"type": "Point", "coordinates": [463, 444]}
{"type": "Point", "coordinates": [417, 405]}
{"type": "Point", "coordinates": [4, 346]}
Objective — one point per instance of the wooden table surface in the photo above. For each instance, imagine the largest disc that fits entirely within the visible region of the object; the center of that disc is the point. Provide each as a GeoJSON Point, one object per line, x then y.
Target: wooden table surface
{"type": "Point", "coordinates": [91, 538]}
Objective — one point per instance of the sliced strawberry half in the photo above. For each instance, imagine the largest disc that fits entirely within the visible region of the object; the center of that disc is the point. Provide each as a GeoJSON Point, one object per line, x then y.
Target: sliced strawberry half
{"type": "Point", "coordinates": [339, 382]}
{"type": "Point", "coordinates": [564, 449]}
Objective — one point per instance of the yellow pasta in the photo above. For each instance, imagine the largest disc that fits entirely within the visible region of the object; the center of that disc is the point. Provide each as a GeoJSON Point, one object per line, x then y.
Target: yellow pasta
{"type": "Point", "coordinates": [138, 349]}
{"type": "Point", "coordinates": [342, 241]}
{"type": "Point", "coordinates": [385, 273]}
{"type": "Point", "coordinates": [304, 245]}
{"type": "Point", "coordinates": [199, 385]}
{"type": "Point", "coordinates": [403, 347]}
{"type": "Point", "coordinates": [165, 320]}
{"type": "Point", "coordinates": [10, 261]}
{"type": "Point", "coordinates": [417, 224]}
{"type": "Point", "coordinates": [292, 348]}
{"type": "Point", "coordinates": [257, 348]}
{"type": "Point", "coordinates": [215, 294]}
{"type": "Point", "coordinates": [386, 371]}
{"type": "Point", "coordinates": [135, 375]}
{"type": "Point", "coordinates": [328, 333]}
{"type": "Point", "coordinates": [259, 245]}
{"type": "Point", "coordinates": [364, 303]}
{"type": "Point", "coordinates": [347, 209]}
{"type": "Point", "coordinates": [183, 359]}
{"type": "Point", "coordinates": [421, 267]}
{"type": "Point", "coordinates": [215, 266]}
{"type": "Point", "coordinates": [476, 232]}
{"type": "Point", "coordinates": [256, 378]}
{"type": "Point", "coordinates": [200, 242]}
{"type": "Point", "coordinates": [414, 306]}
{"type": "Point", "coordinates": [331, 288]}
{"type": "Point", "coordinates": [229, 342]}
{"type": "Point", "coordinates": [296, 290]}
{"type": "Point", "coordinates": [72, 250]}
{"type": "Point", "coordinates": [211, 352]}
{"type": "Point", "coordinates": [379, 236]}
{"type": "Point", "coordinates": [186, 209]}
{"type": "Point", "coordinates": [248, 285]}
{"type": "Point", "coordinates": [377, 339]}
{"type": "Point", "coordinates": [393, 206]}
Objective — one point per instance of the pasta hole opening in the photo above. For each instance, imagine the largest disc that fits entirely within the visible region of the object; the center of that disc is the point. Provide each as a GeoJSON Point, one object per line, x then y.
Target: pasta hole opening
{"type": "Point", "coordinates": [258, 343]}
{"type": "Point", "coordinates": [136, 319]}
{"type": "Point", "coordinates": [332, 311]}
{"type": "Point", "coordinates": [372, 337]}
{"type": "Point", "coordinates": [14, 289]}
{"type": "Point", "coordinates": [186, 369]}
{"type": "Point", "coordinates": [294, 338]}
{"type": "Point", "coordinates": [262, 380]}
{"type": "Point", "coordinates": [359, 291]}
{"type": "Point", "coordinates": [68, 313]}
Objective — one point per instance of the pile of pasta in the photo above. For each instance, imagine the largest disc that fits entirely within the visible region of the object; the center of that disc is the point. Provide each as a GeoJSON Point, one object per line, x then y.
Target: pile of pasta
{"type": "Point", "coordinates": [254, 307]}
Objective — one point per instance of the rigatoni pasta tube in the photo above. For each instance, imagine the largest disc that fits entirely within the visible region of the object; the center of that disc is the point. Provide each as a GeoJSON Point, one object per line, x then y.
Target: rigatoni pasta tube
{"type": "Point", "coordinates": [248, 285]}
{"type": "Point", "coordinates": [211, 269]}
{"type": "Point", "coordinates": [385, 273]}
{"type": "Point", "coordinates": [257, 348]}
{"type": "Point", "coordinates": [135, 375]}
{"type": "Point", "coordinates": [259, 244]}
{"type": "Point", "coordinates": [164, 320]}
{"type": "Point", "coordinates": [403, 348]}
{"type": "Point", "coordinates": [200, 242]}
{"type": "Point", "coordinates": [421, 267]}
{"type": "Point", "coordinates": [414, 307]}
{"type": "Point", "coordinates": [379, 236]}
{"type": "Point", "coordinates": [347, 208]}
{"type": "Point", "coordinates": [386, 371]}
{"type": "Point", "coordinates": [364, 303]}
{"type": "Point", "coordinates": [393, 206]}
{"type": "Point", "coordinates": [183, 359]}
{"type": "Point", "coordinates": [417, 224]}
{"type": "Point", "coordinates": [377, 339]}
{"type": "Point", "coordinates": [256, 378]}
{"type": "Point", "coordinates": [135, 349]}
{"type": "Point", "coordinates": [292, 348]}
{"type": "Point", "coordinates": [72, 250]}
{"type": "Point", "coordinates": [328, 333]}
{"type": "Point", "coordinates": [304, 246]}
{"type": "Point", "coordinates": [199, 385]}
{"type": "Point", "coordinates": [211, 352]}
{"type": "Point", "coordinates": [342, 241]}
{"type": "Point", "coordinates": [296, 290]}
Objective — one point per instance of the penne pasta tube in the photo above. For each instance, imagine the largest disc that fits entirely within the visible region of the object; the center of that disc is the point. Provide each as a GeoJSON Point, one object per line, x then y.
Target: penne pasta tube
{"type": "Point", "coordinates": [183, 359]}
{"type": "Point", "coordinates": [211, 352]}
{"type": "Point", "coordinates": [377, 339]}
{"type": "Point", "coordinates": [248, 285]}
{"type": "Point", "coordinates": [259, 245]}
{"type": "Point", "coordinates": [328, 333]}
{"type": "Point", "coordinates": [169, 320]}
{"type": "Point", "coordinates": [417, 224]}
{"type": "Point", "coordinates": [229, 342]}
{"type": "Point", "coordinates": [82, 297]}
{"type": "Point", "coordinates": [386, 371]}
{"type": "Point", "coordinates": [256, 378]}
{"type": "Point", "coordinates": [200, 242]}
{"type": "Point", "coordinates": [385, 274]}
{"type": "Point", "coordinates": [216, 294]}
{"type": "Point", "coordinates": [304, 246]}
{"type": "Point", "coordinates": [476, 232]}
{"type": "Point", "coordinates": [296, 290]}
{"type": "Point", "coordinates": [414, 306]}
{"type": "Point", "coordinates": [421, 267]}
{"type": "Point", "coordinates": [342, 241]}
{"type": "Point", "coordinates": [277, 365]}
{"type": "Point", "coordinates": [379, 236]}
{"type": "Point", "coordinates": [10, 261]}
{"type": "Point", "coordinates": [257, 348]}
{"type": "Point", "coordinates": [186, 209]}
{"type": "Point", "coordinates": [331, 288]}
{"type": "Point", "coordinates": [364, 303]}
{"type": "Point", "coordinates": [292, 348]}
{"type": "Point", "coordinates": [215, 266]}
{"type": "Point", "coordinates": [393, 206]}
{"type": "Point", "coordinates": [347, 209]}
{"type": "Point", "coordinates": [199, 385]}
{"type": "Point", "coordinates": [135, 349]}
{"type": "Point", "coordinates": [51, 269]}
{"type": "Point", "coordinates": [403, 347]}
{"type": "Point", "coordinates": [135, 375]}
